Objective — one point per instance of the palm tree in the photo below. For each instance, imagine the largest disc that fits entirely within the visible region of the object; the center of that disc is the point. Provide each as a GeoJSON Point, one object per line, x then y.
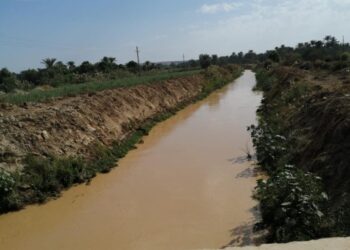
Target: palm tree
{"type": "Point", "coordinates": [49, 62]}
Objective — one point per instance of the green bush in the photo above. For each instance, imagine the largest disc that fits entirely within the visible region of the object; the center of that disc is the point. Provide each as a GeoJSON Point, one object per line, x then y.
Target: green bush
{"type": "Point", "coordinates": [41, 174]}
{"type": "Point", "coordinates": [8, 80]}
{"type": "Point", "coordinates": [270, 147]}
{"type": "Point", "coordinates": [292, 206]}
{"type": "Point", "coordinates": [263, 81]}
{"type": "Point", "coordinates": [7, 187]}
{"type": "Point", "coordinates": [295, 93]}
{"type": "Point", "coordinates": [48, 176]}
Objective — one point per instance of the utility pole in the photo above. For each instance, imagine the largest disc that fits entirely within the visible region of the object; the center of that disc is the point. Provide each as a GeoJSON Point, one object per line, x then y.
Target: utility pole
{"type": "Point", "coordinates": [138, 60]}
{"type": "Point", "coordinates": [183, 58]}
{"type": "Point", "coordinates": [138, 55]}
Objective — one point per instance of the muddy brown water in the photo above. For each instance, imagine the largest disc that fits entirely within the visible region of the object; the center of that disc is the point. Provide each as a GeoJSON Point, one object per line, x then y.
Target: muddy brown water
{"type": "Point", "coordinates": [186, 187]}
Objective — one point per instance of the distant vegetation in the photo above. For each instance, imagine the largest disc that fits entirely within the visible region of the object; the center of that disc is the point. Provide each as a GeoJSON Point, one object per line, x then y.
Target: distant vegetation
{"type": "Point", "coordinates": [56, 73]}
{"type": "Point", "coordinates": [328, 54]}
{"type": "Point", "coordinates": [39, 95]}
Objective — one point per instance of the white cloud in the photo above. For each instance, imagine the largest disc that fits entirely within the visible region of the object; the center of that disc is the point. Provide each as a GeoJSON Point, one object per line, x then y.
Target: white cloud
{"type": "Point", "coordinates": [215, 8]}
{"type": "Point", "coordinates": [257, 25]}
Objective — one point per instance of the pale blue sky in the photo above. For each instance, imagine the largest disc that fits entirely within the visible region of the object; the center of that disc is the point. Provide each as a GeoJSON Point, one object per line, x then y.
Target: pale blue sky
{"type": "Point", "coordinates": [78, 30]}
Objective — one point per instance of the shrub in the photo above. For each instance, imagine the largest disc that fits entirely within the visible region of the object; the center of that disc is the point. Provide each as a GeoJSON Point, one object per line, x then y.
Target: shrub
{"type": "Point", "coordinates": [295, 93]}
{"type": "Point", "coordinates": [7, 80]}
{"type": "Point", "coordinates": [7, 186]}
{"type": "Point", "coordinates": [49, 175]}
{"type": "Point", "coordinates": [41, 174]}
{"type": "Point", "coordinates": [269, 146]}
{"type": "Point", "coordinates": [339, 65]}
{"type": "Point", "coordinates": [344, 57]}
{"type": "Point", "coordinates": [30, 75]}
{"type": "Point", "coordinates": [263, 81]}
{"type": "Point", "coordinates": [292, 206]}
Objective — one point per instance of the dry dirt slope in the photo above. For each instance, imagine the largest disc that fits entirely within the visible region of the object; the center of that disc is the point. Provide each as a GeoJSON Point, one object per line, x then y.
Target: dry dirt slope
{"type": "Point", "coordinates": [71, 126]}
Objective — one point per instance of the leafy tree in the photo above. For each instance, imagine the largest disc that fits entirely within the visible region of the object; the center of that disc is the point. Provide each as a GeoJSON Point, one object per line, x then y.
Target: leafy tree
{"type": "Point", "coordinates": [132, 66]}
{"type": "Point", "coordinates": [192, 63]}
{"type": "Point", "coordinates": [86, 67]}
{"type": "Point", "coordinates": [273, 56]}
{"type": "Point", "coordinates": [223, 60]}
{"type": "Point", "coordinates": [71, 65]}
{"type": "Point", "coordinates": [250, 56]}
{"type": "Point", "coordinates": [148, 66]}
{"type": "Point", "coordinates": [214, 59]}
{"type": "Point", "coordinates": [60, 67]}
{"type": "Point", "coordinates": [107, 64]}
{"type": "Point", "coordinates": [7, 80]}
{"type": "Point", "coordinates": [30, 75]}
{"type": "Point", "coordinates": [204, 61]}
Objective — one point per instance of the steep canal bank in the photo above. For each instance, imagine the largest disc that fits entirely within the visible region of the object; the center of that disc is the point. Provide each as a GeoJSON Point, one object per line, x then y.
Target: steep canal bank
{"type": "Point", "coordinates": [183, 188]}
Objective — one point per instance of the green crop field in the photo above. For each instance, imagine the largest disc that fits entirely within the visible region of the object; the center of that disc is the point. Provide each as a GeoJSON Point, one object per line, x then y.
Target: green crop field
{"type": "Point", "coordinates": [37, 95]}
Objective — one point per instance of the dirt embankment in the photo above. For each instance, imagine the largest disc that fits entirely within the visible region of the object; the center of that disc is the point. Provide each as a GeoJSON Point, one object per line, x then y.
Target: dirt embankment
{"type": "Point", "coordinates": [311, 110]}
{"type": "Point", "coordinates": [319, 112]}
{"type": "Point", "coordinates": [72, 126]}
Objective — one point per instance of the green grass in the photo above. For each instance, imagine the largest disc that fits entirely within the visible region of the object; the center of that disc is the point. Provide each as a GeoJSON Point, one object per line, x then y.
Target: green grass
{"type": "Point", "coordinates": [90, 87]}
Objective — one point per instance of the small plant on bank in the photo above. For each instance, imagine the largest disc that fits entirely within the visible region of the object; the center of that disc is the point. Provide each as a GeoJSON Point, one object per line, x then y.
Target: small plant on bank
{"type": "Point", "coordinates": [269, 146]}
{"type": "Point", "coordinates": [7, 186]}
{"type": "Point", "coordinates": [264, 81]}
{"type": "Point", "coordinates": [292, 206]}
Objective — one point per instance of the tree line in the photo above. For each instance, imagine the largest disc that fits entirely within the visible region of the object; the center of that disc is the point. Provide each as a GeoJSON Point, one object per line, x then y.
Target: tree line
{"type": "Point", "coordinates": [327, 54]}
{"type": "Point", "coordinates": [56, 72]}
